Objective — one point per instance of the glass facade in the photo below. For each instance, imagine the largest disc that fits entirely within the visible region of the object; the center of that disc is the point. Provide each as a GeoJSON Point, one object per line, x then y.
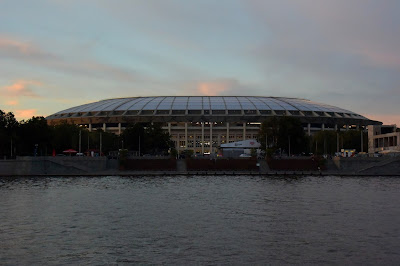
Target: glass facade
{"type": "Point", "coordinates": [202, 105]}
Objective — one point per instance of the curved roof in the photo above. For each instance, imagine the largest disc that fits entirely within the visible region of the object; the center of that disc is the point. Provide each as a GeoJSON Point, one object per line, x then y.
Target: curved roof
{"type": "Point", "coordinates": [206, 109]}
{"type": "Point", "coordinates": [218, 104]}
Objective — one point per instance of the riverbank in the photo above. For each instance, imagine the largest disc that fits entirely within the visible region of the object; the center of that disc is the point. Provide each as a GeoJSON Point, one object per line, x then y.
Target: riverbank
{"type": "Point", "coordinates": [101, 166]}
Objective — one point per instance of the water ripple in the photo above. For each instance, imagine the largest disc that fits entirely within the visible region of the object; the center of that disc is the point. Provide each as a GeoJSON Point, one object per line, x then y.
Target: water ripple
{"type": "Point", "coordinates": [199, 220]}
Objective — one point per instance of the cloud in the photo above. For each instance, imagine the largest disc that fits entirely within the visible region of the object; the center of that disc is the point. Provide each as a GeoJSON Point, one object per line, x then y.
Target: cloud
{"type": "Point", "coordinates": [21, 88]}
{"type": "Point", "coordinates": [219, 87]}
{"type": "Point", "coordinates": [12, 48]}
{"type": "Point", "coordinates": [34, 55]}
{"type": "Point", "coordinates": [313, 49]}
{"type": "Point", "coordinates": [12, 102]}
{"type": "Point", "coordinates": [25, 113]}
{"type": "Point", "coordinates": [213, 88]}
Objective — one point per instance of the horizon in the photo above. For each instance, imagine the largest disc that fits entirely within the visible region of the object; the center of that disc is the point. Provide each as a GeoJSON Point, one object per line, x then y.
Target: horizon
{"type": "Point", "coordinates": [60, 54]}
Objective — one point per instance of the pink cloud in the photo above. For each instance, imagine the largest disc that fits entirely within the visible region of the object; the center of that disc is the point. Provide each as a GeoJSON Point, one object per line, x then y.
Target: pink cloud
{"type": "Point", "coordinates": [21, 88]}
{"type": "Point", "coordinates": [12, 102]}
{"type": "Point", "coordinates": [38, 56]}
{"type": "Point", "coordinates": [211, 88]}
{"type": "Point", "coordinates": [21, 47]}
{"type": "Point", "coordinates": [25, 113]}
{"type": "Point", "coordinates": [214, 88]}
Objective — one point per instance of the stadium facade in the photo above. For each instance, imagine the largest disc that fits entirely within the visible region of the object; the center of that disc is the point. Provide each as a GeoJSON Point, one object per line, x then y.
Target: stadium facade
{"type": "Point", "coordinates": [202, 123]}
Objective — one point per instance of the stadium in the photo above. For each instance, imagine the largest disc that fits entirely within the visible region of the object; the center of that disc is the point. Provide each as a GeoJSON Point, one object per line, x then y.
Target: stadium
{"type": "Point", "coordinates": [202, 123]}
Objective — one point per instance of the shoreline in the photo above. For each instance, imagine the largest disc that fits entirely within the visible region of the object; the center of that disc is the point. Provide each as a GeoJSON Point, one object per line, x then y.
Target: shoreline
{"type": "Point", "coordinates": [204, 173]}
{"type": "Point", "coordinates": [101, 166]}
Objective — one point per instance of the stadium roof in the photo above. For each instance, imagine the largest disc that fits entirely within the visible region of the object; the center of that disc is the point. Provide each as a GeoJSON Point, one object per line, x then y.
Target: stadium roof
{"type": "Point", "coordinates": [204, 103]}
{"type": "Point", "coordinates": [167, 108]}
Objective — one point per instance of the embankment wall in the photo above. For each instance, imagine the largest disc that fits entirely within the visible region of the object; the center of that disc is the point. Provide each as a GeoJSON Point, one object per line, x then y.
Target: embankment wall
{"type": "Point", "coordinates": [103, 166]}
{"type": "Point", "coordinates": [47, 165]}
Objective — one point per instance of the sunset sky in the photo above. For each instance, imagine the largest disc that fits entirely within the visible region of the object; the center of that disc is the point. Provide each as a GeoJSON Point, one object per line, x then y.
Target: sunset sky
{"type": "Point", "coordinates": [55, 54]}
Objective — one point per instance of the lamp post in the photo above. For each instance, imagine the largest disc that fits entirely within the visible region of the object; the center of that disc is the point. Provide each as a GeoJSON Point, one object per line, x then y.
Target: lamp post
{"type": "Point", "coordinates": [101, 143]}
{"type": "Point", "coordinates": [80, 140]}
{"type": "Point", "coordinates": [337, 142]}
{"type": "Point", "coordinates": [36, 148]}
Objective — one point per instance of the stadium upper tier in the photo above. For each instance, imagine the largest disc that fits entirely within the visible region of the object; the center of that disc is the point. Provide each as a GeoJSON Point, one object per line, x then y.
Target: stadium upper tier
{"type": "Point", "coordinates": [169, 108]}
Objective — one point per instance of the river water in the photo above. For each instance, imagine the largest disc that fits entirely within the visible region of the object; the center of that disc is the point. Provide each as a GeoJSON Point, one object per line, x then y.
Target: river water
{"type": "Point", "coordinates": [200, 220]}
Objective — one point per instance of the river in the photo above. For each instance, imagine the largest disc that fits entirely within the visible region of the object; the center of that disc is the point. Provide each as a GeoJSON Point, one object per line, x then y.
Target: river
{"type": "Point", "coordinates": [200, 220]}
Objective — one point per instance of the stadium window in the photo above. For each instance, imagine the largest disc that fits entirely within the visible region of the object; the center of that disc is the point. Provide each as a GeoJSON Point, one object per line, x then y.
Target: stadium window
{"type": "Point", "coordinates": [250, 112]}
{"type": "Point", "coordinates": [182, 144]}
{"type": "Point", "coordinates": [234, 112]}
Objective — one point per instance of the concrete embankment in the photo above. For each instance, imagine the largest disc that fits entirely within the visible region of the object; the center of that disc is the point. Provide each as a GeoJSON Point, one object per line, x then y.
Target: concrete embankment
{"type": "Point", "coordinates": [101, 166]}
{"type": "Point", "coordinates": [365, 165]}
{"type": "Point", "coordinates": [55, 165]}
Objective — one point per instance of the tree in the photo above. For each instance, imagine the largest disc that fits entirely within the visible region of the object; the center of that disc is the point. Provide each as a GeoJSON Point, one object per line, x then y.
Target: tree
{"type": "Point", "coordinates": [109, 141]}
{"type": "Point", "coordinates": [156, 140]}
{"type": "Point", "coordinates": [269, 132]}
{"type": "Point", "coordinates": [34, 136]}
{"type": "Point", "coordinates": [131, 136]}
{"type": "Point", "coordinates": [153, 139]}
{"type": "Point", "coordinates": [324, 142]}
{"type": "Point", "coordinates": [8, 133]}
{"type": "Point", "coordinates": [284, 133]}
{"type": "Point", "coordinates": [351, 139]}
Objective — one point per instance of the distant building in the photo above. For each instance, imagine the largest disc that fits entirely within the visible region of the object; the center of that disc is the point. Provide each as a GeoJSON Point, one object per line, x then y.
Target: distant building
{"type": "Point", "coordinates": [243, 147]}
{"type": "Point", "coordinates": [203, 123]}
{"type": "Point", "coordinates": [383, 139]}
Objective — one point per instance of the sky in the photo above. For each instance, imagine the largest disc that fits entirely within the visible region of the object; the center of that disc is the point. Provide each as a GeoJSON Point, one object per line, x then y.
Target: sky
{"type": "Point", "coordinates": [56, 54]}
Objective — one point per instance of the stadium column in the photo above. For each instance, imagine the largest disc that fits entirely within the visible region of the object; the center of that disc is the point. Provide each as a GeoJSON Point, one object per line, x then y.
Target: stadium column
{"type": "Point", "coordinates": [227, 132]}
{"type": "Point", "coordinates": [178, 144]}
{"type": "Point", "coordinates": [362, 142]}
{"type": "Point", "coordinates": [323, 127]}
{"type": "Point", "coordinates": [202, 137]}
{"type": "Point", "coordinates": [90, 127]}
{"type": "Point", "coordinates": [169, 128]}
{"type": "Point", "coordinates": [244, 131]}
{"type": "Point", "coordinates": [309, 129]}
{"type": "Point", "coordinates": [104, 127]}
{"type": "Point", "coordinates": [119, 128]}
{"type": "Point", "coordinates": [186, 135]}
{"type": "Point", "coordinates": [211, 138]}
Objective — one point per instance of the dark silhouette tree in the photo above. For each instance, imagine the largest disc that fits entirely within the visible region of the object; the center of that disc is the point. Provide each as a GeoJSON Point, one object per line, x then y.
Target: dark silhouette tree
{"type": "Point", "coordinates": [8, 134]}
{"type": "Point", "coordinates": [153, 139]}
{"type": "Point", "coordinates": [34, 137]}
{"type": "Point", "coordinates": [282, 133]}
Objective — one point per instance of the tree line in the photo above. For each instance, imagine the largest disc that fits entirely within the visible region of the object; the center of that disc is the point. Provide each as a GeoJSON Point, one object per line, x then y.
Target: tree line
{"type": "Point", "coordinates": [34, 137]}
{"type": "Point", "coordinates": [286, 135]}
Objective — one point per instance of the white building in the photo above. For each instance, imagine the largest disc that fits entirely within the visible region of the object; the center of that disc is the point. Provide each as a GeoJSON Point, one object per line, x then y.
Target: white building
{"type": "Point", "coordinates": [383, 139]}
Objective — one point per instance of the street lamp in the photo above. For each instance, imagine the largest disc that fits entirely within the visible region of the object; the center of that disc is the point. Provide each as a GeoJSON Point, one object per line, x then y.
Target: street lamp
{"type": "Point", "coordinates": [36, 149]}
